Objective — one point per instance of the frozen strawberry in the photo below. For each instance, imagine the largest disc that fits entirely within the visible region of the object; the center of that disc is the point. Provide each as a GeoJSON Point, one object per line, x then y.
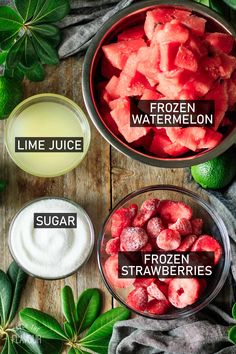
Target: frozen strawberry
{"type": "Point", "coordinates": [197, 225]}
{"type": "Point", "coordinates": [187, 243]}
{"type": "Point", "coordinates": [147, 248]}
{"type": "Point", "coordinates": [183, 292]}
{"type": "Point", "coordinates": [147, 210]}
{"type": "Point", "coordinates": [158, 307]}
{"type": "Point", "coordinates": [171, 211]}
{"type": "Point", "coordinates": [113, 246]}
{"type": "Point", "coordinates": [169, 240]}
{"type": "Point", "coordinates": [166, 280]}
{"type": "Point", "coordinates": [122, 218]}
{"type": "Point", "coordinates": [133, 239]}
{"type": "Point", "coordinates": [183, 226]}
{"type": "Point", "coordinates": [154, 291]}
{"type": "Point", "coordinates": [143, 282]}
{"type": "Point", "coordinates": [206, 243]}
{"type": "Point", "coordinates": [154, 227]}
{"type": "Point", "coordinates": [163, 286]}
{"type": "Point", "coordinates": [111, 271]}
{"type": "Point", "coordinates": [137, 299]}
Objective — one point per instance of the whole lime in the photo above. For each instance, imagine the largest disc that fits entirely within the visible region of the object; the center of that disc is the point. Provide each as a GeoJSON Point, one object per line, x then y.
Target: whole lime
{"type": "Point", "coordinates": [216, 173]}
{"type": "Point", "coordinates": [11, 93]}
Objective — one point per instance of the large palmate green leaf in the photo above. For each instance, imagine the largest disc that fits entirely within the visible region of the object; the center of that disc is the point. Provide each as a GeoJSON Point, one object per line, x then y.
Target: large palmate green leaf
{"type": "Point", "coordinates": [46, 52]}
{"type": "Point", "coordinates": [68, 307]}
{"type": "Point", "coordinates": [49, 32]}
{"type": "Point", "coordinates": [5, 297]}
{"type": "Point", "coordinates": [50, 11]}
{"type": "Point", "coordinates": [35, 73]}
{"type": "Point", "coordinates": [7, 39]}
{"type": "Point", "coordinates": [29, 56]}
{"type": "Point", "coordinates": [26, 8]}
{"type": "Point", "coordinates": [15, 53]}
{"type": "Point", "coordinates": [88, 308]}
{"type": "Point", "coordinates": [9, 19]}
{"type": "Point", "coordinates": [42, 324]}
{"type": "Point", "coordinates": [18, 279]}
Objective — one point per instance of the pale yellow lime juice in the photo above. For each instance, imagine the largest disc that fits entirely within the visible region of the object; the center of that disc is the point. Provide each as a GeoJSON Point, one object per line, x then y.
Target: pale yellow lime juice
{"type": "Point", "coordinates": [47, 116]}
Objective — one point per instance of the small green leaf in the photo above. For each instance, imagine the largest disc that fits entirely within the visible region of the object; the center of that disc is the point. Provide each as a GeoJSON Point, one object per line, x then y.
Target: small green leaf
{"type": "Point", "coordinates": [35, 73]}
{"type": "Point", "coordinates": [26, 8]}
{"type": "Point", "coordinates": [72, 351]}
{"type": "Point", "coordinates": [5, 297]}
{"type": "Point", "coordinates": [98, 345]}
{"type": "Point", "coordinates": [41, 324]}
{"type": "Point", "coordinates": [3, 185]}
{"type": "Point", "coordinates": [46, 53]}
{"type": "Point", "coordinates": [11, 347]}
{"type": "Point", "coordinates": [232, 334]}
{"type": "Point", "coordinates": [51, 11]}
{"type": "Point", "coordinates": [68, 307]}
{"type": "Point", "coordinates": [15, 73]}
{"type": "Point", "coordinates": [234, 311]}
{"type": "Point", "coordinates": [29, 56]}
{"type": "Point", "coordinates": [9, 19]}
{"type": "Point", "coordinates": [15, 53]}
{"type": "Point", "coordinates": [3, 55]}
{"type": "Point", "coordinates": [5, 348]}
{"type": "Point", "coordinates": [49, 32]}
{"type": "Point", "coordinates": [7, 39]}
{"type": "Point", "coordinates": [103, 325]}
{"type": "Point", "coordinates": [88, 308]}
{"type": "Point", "coordinates": [231, 3]}
{"type": "Point", "coordinates": [69, 330]}
{"type": "Point", "coordinates": [37, 345]}
{"type": "Point", "coordinates": [18, 280]}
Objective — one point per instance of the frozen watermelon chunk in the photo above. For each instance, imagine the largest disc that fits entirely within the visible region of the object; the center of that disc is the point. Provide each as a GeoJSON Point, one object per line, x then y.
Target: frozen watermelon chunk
{"type": "Point", "coordinates": [155, 17]}
{"type": "Point", "coordinates": [172, 32]}
{"type": "Point", "coordinates": [148, 63]}
{"type": "Point", "coordinates": [135, 32]}
{"type": "Point", "coordinates": [186, 59]}
{"type": "Point", "coordinates": [198, 46]}
{"type": "Point", "coordinates": [171, 83]}
{"type": "Point", "coordinates": [228, 65]}
{"type": "Point", "coordinates": [200, 83]}
{"type": "Point", "coordinates": [107, 69]}
{"type": "Point", "coordinates": [188, 137]}
{"type": "Point", "coordinates": [158, 145]}
{"type": "Point", "coordinates": [175, 150]}
{"type": "Point", "coordinates": [132, 86]}
{"type": "Point", "coordinates": [210, 140]}
{"type": "Point", "coordinates": [151, 95]}
{"type": "Point", "coordinates": [111, 87]}
{"type": "Point", "coordinates": [121, 115]}
{"type": "Point", "coordinates": [212, 65]}
{"type": "Point", "coordinates": [219, 94]}
{"type": "Point", "coordinates": [118, 53]}
{"type": "Point", "coordinates": [195, 23]}
{"type": "Point", "coordinates": [221, 41]}
{"type": "Point", "coordinates": [168, 53]}
{"type": "Point", "coordinates": [108, 120]}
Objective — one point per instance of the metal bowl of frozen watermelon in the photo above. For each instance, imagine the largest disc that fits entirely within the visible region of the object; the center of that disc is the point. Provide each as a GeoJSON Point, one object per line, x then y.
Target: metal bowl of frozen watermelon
{"type": "Point", "coordinates": [170, 220]}
{"type": "Point", "coordinates": [134, 56]}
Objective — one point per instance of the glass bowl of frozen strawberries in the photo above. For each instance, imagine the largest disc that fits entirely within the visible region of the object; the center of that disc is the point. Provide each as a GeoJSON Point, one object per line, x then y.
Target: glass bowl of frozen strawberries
{"type": "Point", "coordinates": [162, 51]}
{"type": "Point", "coordinates": [163, 220]}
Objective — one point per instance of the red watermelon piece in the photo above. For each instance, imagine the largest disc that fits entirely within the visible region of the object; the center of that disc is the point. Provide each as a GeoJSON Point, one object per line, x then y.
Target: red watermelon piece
{"type": "Point", "coordinates": [221, 41]}
{"type": "Point", "coordinates": [107, 69]}
{"type": "Point", "coordinates": [118, 53]}
{"type": "Point", "coordinates": [135, 32]}
{"type": "Point", "coordinates": [132, 86]}
{"type": "Point", "coordinates": [111, 87]}
{"type": "Point", "coordinates": [198, 46]}
{"type": "Point", "coordinates": [168, 53]}
{"type": "Point", "coordinates": [228, 65]}
{"type": "Point", "coordinates": [173, 32]}
{"type": "Point", "coordinates": [151, 95]}
{"type": "Point", "coordinates": [121, 115]}
{"type": "Point", "coordinates": [200, 83]}
{"type": "Point", "coordinates": [210, 140]}
{"type": "Point", "coordinates": [187, 137]}
{"type": "Point", "coordinates": [155, 17]}
{"type": "Point", "coordinates": [148, 63]}
{"type": "Point", "coordinates": [159, 142]}
{"type": "Point", "coordinates": [195, 24]}
{"type": "Point", "coordinates": [212, 65]}
{"type": "Point", "coordinates": [186, 59]}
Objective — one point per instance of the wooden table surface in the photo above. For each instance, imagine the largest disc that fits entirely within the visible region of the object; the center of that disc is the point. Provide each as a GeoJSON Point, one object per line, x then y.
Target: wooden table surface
{"type": "Point", "coordinates": [103, 178]}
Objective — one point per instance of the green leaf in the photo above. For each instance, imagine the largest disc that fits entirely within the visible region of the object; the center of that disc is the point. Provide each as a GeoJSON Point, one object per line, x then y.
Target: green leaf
{"type": "Point", "coordinates": [232, 334]}
{"type": "Point", "coordinates": [29, 56]}
{"type": "Point", "coordinates": [15, 73]}
{"type": "Point", "coordinates": [234, 311]}
{"type": "Point", "coordinates": [5, 348]}
{"type": "Point", "coordinates": [231, 3]}
{"type": "Point", "coordinates": [88, 308]}
{"type": "Point", "coordinates": [69, 330]}
{"type": "Point", "coordinates": [11, 349]}
{"type": "Point", "coordinates": [68, 307]}
{"type": "Point", "coordinates": [219, 7]}
{"type": "Point", "coordinates": [98, 345]}
{"type": "Point", "coordinates": [3, 185]}
{"type": "Point", "coordinates": [26, 8]}
{"type": "Point", "coordinates": [5, 297]}
{"type": "Point", "coordinates": [37, 345]}
{"type": "Point", "coordinates": [35, 73]}
{"type": "Point", "coordinates": [41, 324]}
{"type": "Point", "coordinates": [51, 11]}
{"type": "Point", "coordinates": [3, 55]}
{"type": "Point", "coordinates": [46, 53]}
{"type": "Point", "coordinates": [18, 280]}
{"type": "Point", "coordinates": [9, 19]}
{"type": "Point", "coordinates": [7, 39]}
{"type": "Point", "coordinates": [103, 325]}
{"type": "Point", "coordinates": [15, 53]}
{"type": "Point", "coordinates": [49, 32]}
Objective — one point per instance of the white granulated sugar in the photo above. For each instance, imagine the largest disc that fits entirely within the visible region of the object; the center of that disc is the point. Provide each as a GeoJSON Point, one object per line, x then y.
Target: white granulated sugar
{"type": "Point", "coordinates": [51, 253]}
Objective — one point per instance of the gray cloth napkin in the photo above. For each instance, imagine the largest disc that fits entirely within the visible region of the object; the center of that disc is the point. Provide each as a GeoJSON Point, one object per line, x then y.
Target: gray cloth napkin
{"type": "Point", "coordinates": [204, 333]}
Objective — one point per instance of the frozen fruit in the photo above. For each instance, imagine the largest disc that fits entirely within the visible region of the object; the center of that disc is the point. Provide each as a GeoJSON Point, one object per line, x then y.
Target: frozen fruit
{"type": "Point", "coordinates": [221, 41]}
{"type": "Point", "coordinates": [147, 248]}
{"type": "Point", "coordinates": [122, 218]}
{"type": "Point", "coordinates": [137, 299]}
{"type": "Point", "coordinates": [183, 292]}
{"type": "Point", "coordinates": [186, 59]}
{"type": "Point", "coordinates": [111, 270]}
{"type": "Point", "coordinates": [133, 238]}
{"type": "Point", "coordinates": [143, 282]}
{"type": "Point", "coordinates": [147, 210]}
{"type": "Point", "coordinates": [158, 307]}
{"type": "Point", "coordinates": [154, 291]}
{"type": "Point", "coordinates": [197, 225]}
{"type": "Point", "coordinates": [186, 243]}
{"type": "Point", "coordinates": [168, 52]}
{"type": "Point", "coordinates": [173, 32]}
{"type": "Point", "coordinates": [135, 32]}
{"type": "Point", "coordinates": [183, 226]}
{"type": "Point", "coordinates": [154, 227]}
{"type": "Point", "coordinates": [113, 246]}
{"type": "Point", "coordinates": [170, 211]}
{"type": "Point", "coordinates": [206, 243]}
{"type": "Point", "coordinates": [168, 240]}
